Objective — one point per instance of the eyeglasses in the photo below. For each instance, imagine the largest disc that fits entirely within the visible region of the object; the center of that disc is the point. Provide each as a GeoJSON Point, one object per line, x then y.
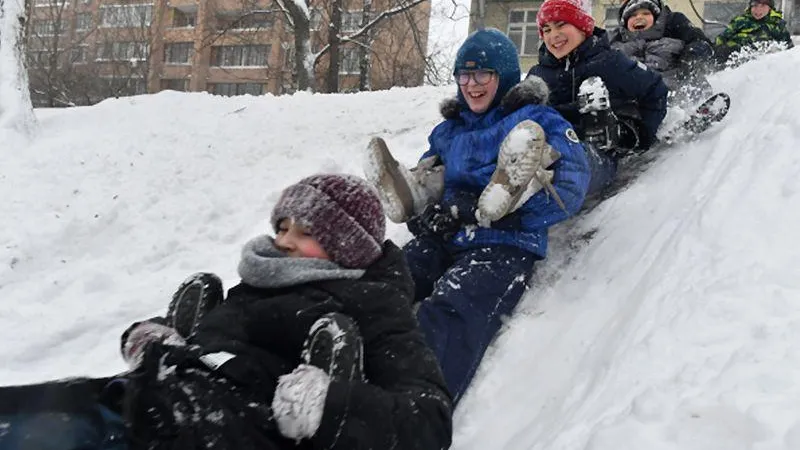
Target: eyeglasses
{"type": "Point", "coordinates": [481, 77]}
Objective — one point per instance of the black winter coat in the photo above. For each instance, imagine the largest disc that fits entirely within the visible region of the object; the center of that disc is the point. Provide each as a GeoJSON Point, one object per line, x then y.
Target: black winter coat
{"type": "Point", "coordinates": [634, 91]}
{"type": "Point", "coordinates": [178, 403]}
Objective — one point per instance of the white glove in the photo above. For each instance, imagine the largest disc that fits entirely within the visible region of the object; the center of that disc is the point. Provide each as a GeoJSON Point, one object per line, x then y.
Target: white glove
{"type": "Point", "coordinates": [300, 401]}
{"type": "Point", "coordinates": [144, 333]}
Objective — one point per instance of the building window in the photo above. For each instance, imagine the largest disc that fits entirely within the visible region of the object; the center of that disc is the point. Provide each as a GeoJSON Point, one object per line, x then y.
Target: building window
{"type": "Point", "coordinates": [288, 58]}
{"type": "Point", "coordinates": [126, 16]}
{"type": "Point", "coordinates": [83, 21]}
{"type": "Point", "coordinates": [176, 84]}
{"type": "Point", "coordinates": [720, 12]}
{"type": "Point", "coordinates": [230, 89]}
{"type": "Point", "coordinates": [39, 58]}
{"type": "Point", "coordinates": [46, 28]}
{"type": "Point", "coordinates": [351, 20]}
{"type": "Point", "coordinates": [79, 54]}
{"type": "Point", "coordinates": [523, 32]}
{"type": "Point", "coordinates": [241, 55]}
{"type": "Point", "coordinates": [612, 18]}
{"type": "Point", "coordinates": [122, 51]}
{"type": "Point", "coordinates": [349, 63]}
{"type": "Point", "coordinates": [182, 19]}
{"type": "Point", "coordinates": [252, 21]}
{"type": "Point", "coordinates": [315, 19]}
{"type": "Point", "coordinates": [51, 3]}
{"type": "Point", "coordinates": [179, 53]}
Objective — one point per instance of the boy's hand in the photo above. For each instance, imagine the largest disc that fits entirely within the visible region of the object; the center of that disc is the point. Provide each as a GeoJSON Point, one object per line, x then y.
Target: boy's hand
{"type": "Point", "coordinates": [140, 334]}
{"type": "Point", "coordinates": [300, 401]}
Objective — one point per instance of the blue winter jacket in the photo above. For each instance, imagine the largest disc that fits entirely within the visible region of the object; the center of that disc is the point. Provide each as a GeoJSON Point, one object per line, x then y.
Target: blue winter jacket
{"type": "Point", "coordinates": [468, 146]}
{"type": "Point", "coordinates": [633, 89]}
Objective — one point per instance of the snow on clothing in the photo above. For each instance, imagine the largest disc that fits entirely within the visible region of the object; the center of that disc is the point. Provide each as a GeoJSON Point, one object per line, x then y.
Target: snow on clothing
{"type": "Point", "coordinates": [634, 91]}
{"type": "Point", "coordinates": [466, 281]}
{"type": "Point", "coordinates": [177, 401]}
{"type": "Point", "coordinates": [468, 144]}
{"type": "Point", "coordinates": [744, 30]}
{"type": "Point", "coordinates": [672, 46]}
{"type": "Point", "coordinates": [464, 295]}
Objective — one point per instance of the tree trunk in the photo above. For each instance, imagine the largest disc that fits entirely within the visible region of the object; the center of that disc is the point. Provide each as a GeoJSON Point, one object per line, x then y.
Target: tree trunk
{"type": "Point", "coordinates": [333, 46]}
{"type": "Point", "coordinates": [364, 51]}
{"type": "Point", "coordinates": [16, 112]}
{"type": "Point", "coordinates": [303, 59]}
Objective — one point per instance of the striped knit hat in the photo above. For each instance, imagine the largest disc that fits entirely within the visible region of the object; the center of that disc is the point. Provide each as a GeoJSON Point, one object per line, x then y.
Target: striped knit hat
{"type": "Point", "coordinates": [342, 212]}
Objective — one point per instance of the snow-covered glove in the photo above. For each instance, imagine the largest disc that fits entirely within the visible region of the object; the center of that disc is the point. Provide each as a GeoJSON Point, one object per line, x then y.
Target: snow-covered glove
{"type": "Point", "coordinates": [530, 91]}
{"type": "Point", "coordinates": [300, 401]}
{"type": "Point", "coordinates": [140, 334]}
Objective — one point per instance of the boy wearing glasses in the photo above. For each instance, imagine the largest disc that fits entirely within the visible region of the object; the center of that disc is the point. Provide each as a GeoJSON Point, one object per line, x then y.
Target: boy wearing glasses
{"type": "Point", "coordinates": [475, 202]}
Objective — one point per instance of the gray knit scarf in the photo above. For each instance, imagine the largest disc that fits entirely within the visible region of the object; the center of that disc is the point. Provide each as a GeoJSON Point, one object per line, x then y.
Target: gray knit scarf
{"type": "Point", "coordinates": [264, 266]}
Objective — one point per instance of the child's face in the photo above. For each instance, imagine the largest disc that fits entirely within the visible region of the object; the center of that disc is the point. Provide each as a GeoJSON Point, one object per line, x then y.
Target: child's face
{"type": "Point", "coordinates": [759, 10]}
{"type": "Point", "coordinates": [478, 88]}
{"type": "Point", "coordinates": [561, 38]}
{"type": "Point", "coordinates": [641, 19]}
{"type": "Point", "coordinates": [295, 241]}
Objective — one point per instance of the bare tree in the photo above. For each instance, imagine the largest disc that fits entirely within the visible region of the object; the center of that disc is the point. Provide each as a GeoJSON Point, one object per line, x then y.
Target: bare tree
{"type": "Point", "coordinates": [16, 112]}
{"type": "Point", "coordinates": [57, 51]}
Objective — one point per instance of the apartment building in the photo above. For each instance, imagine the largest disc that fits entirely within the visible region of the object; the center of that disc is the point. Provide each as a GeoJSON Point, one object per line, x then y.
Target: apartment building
{"type": "Point", "coordinates": [517, 18]}
{"type": "Point", "coordinates": [81, 51]}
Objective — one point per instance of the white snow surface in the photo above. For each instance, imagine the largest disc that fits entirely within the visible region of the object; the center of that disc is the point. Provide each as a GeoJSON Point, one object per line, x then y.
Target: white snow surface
{"type": "Point", "coordinates": [675, 326]}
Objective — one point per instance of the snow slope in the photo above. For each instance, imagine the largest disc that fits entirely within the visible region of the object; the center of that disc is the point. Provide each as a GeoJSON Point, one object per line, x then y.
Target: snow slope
{"type": "Point", "coordinates": [672, 327]}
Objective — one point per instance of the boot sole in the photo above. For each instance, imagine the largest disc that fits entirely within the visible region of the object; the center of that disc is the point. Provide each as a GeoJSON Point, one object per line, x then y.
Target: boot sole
{"type": "Point", "coordinates": [523, 152]}
{"type": "Point", "coordinates": [194, 298]}
{"type": "Point", "coordinates": [334, 345]}
{"type": "Point", "coordinates": [385, 174]}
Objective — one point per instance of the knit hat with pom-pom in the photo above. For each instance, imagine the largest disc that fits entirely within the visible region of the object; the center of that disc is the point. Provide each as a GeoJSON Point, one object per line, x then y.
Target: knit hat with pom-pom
{"type": "Point", "coordinates": [341, 212]}
{"type": "Point", "coordinates": [569, 11]}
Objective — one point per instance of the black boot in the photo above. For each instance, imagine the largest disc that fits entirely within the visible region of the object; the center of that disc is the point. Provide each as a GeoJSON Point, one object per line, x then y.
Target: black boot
{"type": "Point", "coordinates": [334, 345]}
{"type": "Point", "coordinates": [195, 297]}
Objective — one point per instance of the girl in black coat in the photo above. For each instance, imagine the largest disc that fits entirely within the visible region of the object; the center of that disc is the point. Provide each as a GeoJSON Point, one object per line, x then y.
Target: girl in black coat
{"type": "Point", "coordinates": [240, 381]}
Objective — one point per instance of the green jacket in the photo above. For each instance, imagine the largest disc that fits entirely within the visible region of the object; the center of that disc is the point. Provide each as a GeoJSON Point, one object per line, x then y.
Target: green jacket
{"type": "Point", "coordinates": [744, 30]}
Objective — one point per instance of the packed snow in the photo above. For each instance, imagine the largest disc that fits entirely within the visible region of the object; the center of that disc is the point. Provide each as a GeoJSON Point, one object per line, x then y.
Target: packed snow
{"type": "Point", "coordinates": [667, 318]}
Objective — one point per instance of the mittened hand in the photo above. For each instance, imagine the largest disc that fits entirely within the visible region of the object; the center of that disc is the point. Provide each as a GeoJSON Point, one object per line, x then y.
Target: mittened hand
{"type": "Point", "coordinates": [136, 338]}
{"type": "Point", "coordinates": [300, 401]}
{"type": "Point", "coordinates": [439, 220]}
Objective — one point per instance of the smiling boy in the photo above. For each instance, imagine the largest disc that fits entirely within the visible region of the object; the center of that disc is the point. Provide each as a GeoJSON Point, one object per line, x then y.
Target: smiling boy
{"type": "Point", "coordinates": [615, 104]}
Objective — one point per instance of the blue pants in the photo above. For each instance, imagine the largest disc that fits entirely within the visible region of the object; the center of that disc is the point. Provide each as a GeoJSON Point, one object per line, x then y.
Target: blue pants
{"type": "Point", "coordinates": [463, 296]}
{"type": "Point", "coordinates": [602, 168]}
{"type": "Point", "coordinates": [94, 429]}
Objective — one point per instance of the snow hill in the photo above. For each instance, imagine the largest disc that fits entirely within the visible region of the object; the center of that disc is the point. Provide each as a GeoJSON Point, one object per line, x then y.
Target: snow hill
{"type": "Point", "coordinates": [665, 319]}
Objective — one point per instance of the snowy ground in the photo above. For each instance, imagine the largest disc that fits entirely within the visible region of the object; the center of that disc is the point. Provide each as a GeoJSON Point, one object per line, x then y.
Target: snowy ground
{"type": "Point", "coordinates": [674, 327]}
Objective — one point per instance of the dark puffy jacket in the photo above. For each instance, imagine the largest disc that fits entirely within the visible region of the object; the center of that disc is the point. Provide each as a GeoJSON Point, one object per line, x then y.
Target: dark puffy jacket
{"type": "Point", "coordinates": [175, 402]}
{"type": "Point", "coordinates": [631, 87]}
{"type": "Point", "coordinates": [672, 46]}
{"type": "Point", "coordinates": [744, 30]}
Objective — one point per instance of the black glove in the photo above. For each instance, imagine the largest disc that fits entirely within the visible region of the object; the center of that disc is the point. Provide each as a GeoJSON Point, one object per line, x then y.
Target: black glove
{"type": "Point", "coordinates": [435, 220]}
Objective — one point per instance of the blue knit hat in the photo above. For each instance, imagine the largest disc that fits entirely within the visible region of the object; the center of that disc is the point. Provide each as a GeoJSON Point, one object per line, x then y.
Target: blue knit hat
{"type": "Point", "coordinates": [489, 49]}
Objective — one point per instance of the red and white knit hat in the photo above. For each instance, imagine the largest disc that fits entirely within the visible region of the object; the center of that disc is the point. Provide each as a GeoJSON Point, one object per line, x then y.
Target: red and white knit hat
{"type": "Point", "coordinates": [569, 11]}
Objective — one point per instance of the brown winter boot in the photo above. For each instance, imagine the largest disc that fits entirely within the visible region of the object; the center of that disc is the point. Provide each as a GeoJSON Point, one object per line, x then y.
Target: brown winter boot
{"type": "Point", "coordinates": [403, 192]}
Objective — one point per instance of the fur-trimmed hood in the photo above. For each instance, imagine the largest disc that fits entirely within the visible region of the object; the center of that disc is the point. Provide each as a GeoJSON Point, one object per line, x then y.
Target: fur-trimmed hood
{"type": "Point", "coordinates": [530, 91]}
